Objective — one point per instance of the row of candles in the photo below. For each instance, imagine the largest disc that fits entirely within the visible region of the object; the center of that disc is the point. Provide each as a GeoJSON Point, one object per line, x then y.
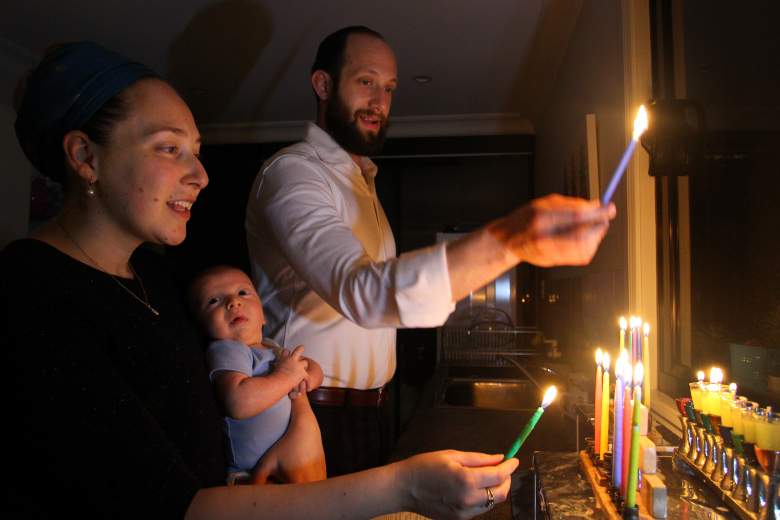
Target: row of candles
{"type": "Point", "coordinates": [630, 404]}
{"type": "Point", "coordinates": [747, 420]}
{"type": "Point", "coordinates": [726, 438]}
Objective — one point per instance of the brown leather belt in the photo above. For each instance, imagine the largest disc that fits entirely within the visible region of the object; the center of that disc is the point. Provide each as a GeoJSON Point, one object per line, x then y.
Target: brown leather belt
{"type": "Point", "coordinates": [332, 396]}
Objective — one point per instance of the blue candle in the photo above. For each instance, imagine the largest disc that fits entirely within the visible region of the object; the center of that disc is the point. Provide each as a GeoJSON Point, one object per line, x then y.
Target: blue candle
{"type": "Point", "coordinates": [640, 125]}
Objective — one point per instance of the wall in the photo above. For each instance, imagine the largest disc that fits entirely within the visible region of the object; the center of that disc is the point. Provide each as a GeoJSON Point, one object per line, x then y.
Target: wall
{"type": "Point", "coordinates": [17, 171]}
{"type": "Point", "coordinates": [580, 306]}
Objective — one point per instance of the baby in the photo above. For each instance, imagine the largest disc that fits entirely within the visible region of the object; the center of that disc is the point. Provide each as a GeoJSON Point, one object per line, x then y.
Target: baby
{"type": "Point", "coordinates": [260, 386]}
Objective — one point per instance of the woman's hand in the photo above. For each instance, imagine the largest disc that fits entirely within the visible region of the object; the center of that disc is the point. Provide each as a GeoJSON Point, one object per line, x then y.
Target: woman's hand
{"type": "Point", "coordinates": [454, 484]}
{"type": "Point", "coordinates": [298, 455]}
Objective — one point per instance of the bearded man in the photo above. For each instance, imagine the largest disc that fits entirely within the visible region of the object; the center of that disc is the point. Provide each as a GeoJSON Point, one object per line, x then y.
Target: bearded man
{"type": "Point", "coordinates": [323, 255]}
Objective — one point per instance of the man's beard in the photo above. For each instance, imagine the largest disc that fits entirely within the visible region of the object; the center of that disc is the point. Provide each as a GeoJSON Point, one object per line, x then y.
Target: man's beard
{"type": "Point", "coordinates": [343, 127]}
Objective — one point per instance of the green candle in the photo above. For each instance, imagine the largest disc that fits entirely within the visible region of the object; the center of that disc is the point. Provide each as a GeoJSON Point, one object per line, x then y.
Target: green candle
{"type": "Point", "coordinates": [633, 464]}
{"type": "Point", "coordinates": [549, 395]}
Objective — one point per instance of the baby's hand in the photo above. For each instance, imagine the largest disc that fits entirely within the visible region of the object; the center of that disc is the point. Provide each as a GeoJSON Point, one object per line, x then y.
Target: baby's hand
{"type": "Point", "coordinates": [293, 365]}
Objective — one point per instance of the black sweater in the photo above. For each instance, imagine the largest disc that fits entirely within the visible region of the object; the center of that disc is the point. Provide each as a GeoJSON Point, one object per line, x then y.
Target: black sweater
{"type": "Point", "coordinates": [109, 411]}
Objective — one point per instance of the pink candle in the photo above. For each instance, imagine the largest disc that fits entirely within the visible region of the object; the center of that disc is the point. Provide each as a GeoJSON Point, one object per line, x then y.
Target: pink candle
{"type": "Point", "coordinates": [597, 404]}
{"type": "Point", "coordinates": [604, 433]}
{"type": "Point", "coordinates": [627, 409]}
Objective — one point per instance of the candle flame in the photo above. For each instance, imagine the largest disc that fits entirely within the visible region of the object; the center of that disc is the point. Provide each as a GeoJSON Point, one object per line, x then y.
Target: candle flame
{"type": "Point", "coordinates": [639, 372]}
{"type": "Point", "coordinates": [605, 361]}
{"type": "Point", "coordinates": [621, 361]}
{"type": "Point", "coordinates": [640, 123]}
{"type": "Point", "coordinates": [733, 388]}
{"type": "Point", "coordinates": [647, 329]}
{"type": "Point", "coordinates": [549, 396]}
{"type": "Point", "coordinates": [623, 323]}
{"type": "Point", "coordinates": [716, 375]}
{"type": "Point", "coordinates": [635, 322]}
{"type": "Point", "coordinates": [599, 355]}
{"type": "Point", "coordinates": [700, 376]}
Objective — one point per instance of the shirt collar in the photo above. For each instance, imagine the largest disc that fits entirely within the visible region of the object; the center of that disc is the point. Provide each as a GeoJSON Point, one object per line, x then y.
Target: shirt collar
{"type": "Point", "coordinates": [330, 152]}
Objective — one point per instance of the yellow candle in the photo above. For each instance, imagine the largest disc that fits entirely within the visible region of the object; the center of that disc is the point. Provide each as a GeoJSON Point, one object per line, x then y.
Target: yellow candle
{"type": "Point", "coordinates": [697, 389]}
{"type": "Point", "coordinates": [774, 433]}
{"type": "Point", "coordinates": [604, 407]}
{"type": "Point", "coordinates": [764, 438]}
{"type": "Point", "coordinates": [749, 425]}
{"type": "Point", "coordinates": [623, 326]}
{"type": "Point", "coordinates": [597, 404]}
{"type": "Point", "coordinates": [725, 408]}
{"type": "Point", "coordinates": [736, 418]}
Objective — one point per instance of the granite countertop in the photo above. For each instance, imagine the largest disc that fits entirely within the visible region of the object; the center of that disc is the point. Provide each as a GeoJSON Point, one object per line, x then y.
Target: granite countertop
{"type": "Point", "coordinates": [436, 426]}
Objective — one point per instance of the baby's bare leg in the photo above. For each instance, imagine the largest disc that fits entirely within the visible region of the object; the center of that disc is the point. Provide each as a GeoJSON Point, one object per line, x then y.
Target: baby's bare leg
{"type": "Point", "coordinates": [298, 456]}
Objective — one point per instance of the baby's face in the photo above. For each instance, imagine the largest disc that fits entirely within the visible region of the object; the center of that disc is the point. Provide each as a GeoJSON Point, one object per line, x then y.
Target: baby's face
{"type": "Point", "coordinates": [229, 307]}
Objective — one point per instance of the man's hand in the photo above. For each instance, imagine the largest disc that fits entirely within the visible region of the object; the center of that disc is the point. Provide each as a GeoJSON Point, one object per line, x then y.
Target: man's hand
{"type": "Point", "coordinates": [555, 230]}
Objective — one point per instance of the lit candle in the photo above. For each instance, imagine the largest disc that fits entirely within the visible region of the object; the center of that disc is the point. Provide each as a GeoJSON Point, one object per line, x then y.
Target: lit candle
{"type": "Point", "coordinates": [697, 391]}
{"type": "Point", "coordinates": [597, 403]}
{"type": "Point", "coordinates": [633, 465]}
{"type": "Point", "coordinates": [640, 125]}
{"type": "Point", "coordinates": [646, 363]}
{"type": "Point", "coordinates": [604, 407]}
{"type": "Point", "coordinates": [634, 323]}
{"type": "Point", "coordinates": [627, 375]}
{"type": "Point", "coordinates": [617, 430]}
{"type": "Point", "coordinates": [549, 396]}
{"type": "Point", "coordinates": [623, 326]}
{"type": "Point", "coordinates": [712, 397]}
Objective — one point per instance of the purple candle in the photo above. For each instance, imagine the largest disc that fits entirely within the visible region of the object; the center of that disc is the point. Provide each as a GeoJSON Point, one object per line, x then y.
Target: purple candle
{"type": "Point", "coordinates": [617, 444]}
{"type": "Point", "coordinates": [640, 125]}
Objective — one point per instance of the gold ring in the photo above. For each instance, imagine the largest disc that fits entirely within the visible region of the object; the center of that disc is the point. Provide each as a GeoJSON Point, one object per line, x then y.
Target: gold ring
{"type": "Point", "coordinates": [490, 501]}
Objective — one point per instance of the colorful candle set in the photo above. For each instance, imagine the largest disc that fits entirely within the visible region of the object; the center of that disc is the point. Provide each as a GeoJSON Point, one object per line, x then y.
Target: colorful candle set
{"type": "Point", "coordinates": [549, 397]}
{"type": "Point", "coordinates": [628, 411]}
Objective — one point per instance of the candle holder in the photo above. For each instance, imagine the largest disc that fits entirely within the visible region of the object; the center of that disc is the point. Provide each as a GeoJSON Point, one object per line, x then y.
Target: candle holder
{"type": "Point", "coordinates": [727, 463]}
{"type": "Point", "coordinates": [749, 492]}
{"type": "Point", "coordinates": [701, 447]}
{"type": "Point", "coordinates": [715, 421]}
{"type": "Point", "coordinates": [717, 454]}
{"type": "Point", "coordinates": [738, 465]}
{"type": "Point", "coordinates": [631, 513]}
{"type": "Point", "coordinates": [725, 433]}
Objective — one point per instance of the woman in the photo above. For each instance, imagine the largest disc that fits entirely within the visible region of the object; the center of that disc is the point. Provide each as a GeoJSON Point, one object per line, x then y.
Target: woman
{"type": "Point", "coordinates": [112, 410]}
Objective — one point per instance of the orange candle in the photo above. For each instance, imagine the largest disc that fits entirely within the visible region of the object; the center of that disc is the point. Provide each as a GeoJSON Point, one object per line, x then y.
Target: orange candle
{"type": "Point", "coordinates": [597, 404]}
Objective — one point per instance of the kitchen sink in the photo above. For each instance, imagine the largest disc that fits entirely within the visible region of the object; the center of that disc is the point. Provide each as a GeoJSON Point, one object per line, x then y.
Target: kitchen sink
{"type": "Point", "coordinates": [496, 394]}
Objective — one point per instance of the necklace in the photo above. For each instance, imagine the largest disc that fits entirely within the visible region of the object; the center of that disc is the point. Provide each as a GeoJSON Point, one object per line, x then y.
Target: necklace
{"type": "Point", "coordinates": [144, 302]}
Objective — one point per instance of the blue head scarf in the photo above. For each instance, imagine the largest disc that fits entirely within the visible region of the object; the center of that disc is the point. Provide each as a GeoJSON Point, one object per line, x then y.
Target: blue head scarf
{"type": "Point", "coordinates": [67, 88]}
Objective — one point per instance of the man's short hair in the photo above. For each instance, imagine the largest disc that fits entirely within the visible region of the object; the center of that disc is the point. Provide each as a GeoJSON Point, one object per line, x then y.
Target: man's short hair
{"type": "Point", "coordinates": [330, 54]}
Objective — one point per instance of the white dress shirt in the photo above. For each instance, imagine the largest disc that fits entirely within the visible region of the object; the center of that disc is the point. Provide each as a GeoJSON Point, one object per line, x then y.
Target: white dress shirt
{"type": "Point", "coordinates": [323, 259]}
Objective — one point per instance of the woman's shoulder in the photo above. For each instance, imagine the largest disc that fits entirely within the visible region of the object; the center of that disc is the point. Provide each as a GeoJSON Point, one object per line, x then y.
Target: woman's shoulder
{"type": "Point", "coordinates": [27, 255]}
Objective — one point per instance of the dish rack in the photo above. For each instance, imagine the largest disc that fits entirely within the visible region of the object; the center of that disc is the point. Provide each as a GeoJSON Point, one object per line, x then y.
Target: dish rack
{"type": "Point", "coordinates": [486, 338]}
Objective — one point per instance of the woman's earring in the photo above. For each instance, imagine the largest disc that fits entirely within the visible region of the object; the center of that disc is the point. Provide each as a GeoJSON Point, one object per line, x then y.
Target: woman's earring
{"type": "Point", "coordinates": [91, 189]}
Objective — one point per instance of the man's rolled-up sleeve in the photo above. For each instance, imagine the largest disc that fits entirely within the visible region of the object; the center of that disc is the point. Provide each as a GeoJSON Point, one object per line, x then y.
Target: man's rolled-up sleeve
{"type": "Point", "coordinates": [300, 209]}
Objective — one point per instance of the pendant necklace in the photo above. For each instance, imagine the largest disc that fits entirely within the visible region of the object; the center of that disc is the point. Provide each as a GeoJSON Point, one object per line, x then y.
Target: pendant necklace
{"type": "Point", "coordinates": [144, 301]}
